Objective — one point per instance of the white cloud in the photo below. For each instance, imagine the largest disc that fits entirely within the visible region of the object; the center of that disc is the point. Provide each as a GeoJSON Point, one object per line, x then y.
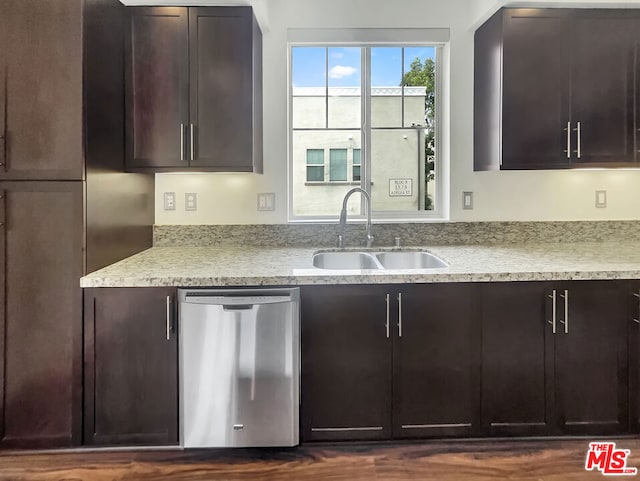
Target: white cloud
{"type": "Point", "coordinates": [340, 71]}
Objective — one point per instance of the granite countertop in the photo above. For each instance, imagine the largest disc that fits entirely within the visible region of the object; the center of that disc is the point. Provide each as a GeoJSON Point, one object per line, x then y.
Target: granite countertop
{"type": "Point", "coordinates": [255, 266]}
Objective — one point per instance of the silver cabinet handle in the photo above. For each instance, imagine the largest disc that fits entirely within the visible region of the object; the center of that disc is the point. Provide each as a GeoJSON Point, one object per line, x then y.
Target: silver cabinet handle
{"type": "Point", "coordinates": [387, 323]}
{"type": "Point", "coordinates": [192, 135]}
{"type": "Point", "coordinates": [554, 313]}
{"type": "Point", "coordinates": [568, 151]}
{"type": "Point", "coordinates": [399, 314]}
{"type": "Point", "coordinates": [181, 142]}
{"type": "Point", "coordinates": [565, 296]}
{"type": "Point", "coordinates": [168, 318]}
{"type": "Point", "coordinates": [579, 136]}
{"type": "Point", "coordinates": [637, 320]}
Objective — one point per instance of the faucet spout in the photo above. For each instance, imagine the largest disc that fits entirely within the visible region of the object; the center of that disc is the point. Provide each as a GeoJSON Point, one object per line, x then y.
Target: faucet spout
{"type": "Point", "coordinates": [343, 212]}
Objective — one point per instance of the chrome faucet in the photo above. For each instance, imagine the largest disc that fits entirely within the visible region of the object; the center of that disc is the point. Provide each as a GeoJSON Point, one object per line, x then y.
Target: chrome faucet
{"type": "Point", "coordinates": [343, 212]}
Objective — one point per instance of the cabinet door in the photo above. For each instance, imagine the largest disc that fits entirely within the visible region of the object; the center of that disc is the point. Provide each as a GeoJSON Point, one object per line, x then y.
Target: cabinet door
{"type": "Point", "coordinates": [41, 90]}
{"type": "Point", "coordinates": [632, 290]}
{"type": "Point", "coordinates": [131, 361]}
{"type": "Point", "coordinates": [436, 369]}
{"type": "Point", "coordinates": [221, 82]}
{"type": "Point", "coordinates": [346, 363]}
{"type": "Point", "coordinates": [591, 358]}
{"type": "Point", "coordinates": [517, 359]}
{"type": "Point", "coordinates": [157, 94]}
{"type": "Point", "coordinates": [535, 96]}
{"type": "Point", "coordinates": [602, 86]}
{"type": "Point", "coordinates": [41, 262]}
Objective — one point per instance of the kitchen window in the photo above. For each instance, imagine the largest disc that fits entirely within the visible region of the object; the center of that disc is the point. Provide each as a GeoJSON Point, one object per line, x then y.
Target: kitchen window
{"type": "Point", "coordinates": [368, 116]}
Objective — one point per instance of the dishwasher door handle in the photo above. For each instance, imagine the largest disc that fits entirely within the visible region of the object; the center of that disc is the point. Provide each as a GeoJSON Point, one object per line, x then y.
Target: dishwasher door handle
{"type": "Point", "coordinates": [234, 302]}
{"type": "Point", "coordinates": [237, 307]}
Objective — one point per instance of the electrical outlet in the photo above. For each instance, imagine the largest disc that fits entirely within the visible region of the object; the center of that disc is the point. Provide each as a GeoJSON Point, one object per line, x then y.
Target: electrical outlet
{"type": "Point", "coordinates": [467, 200]}
{"type": "Point", "coordinates": [190, 201]}
{"type": "Point", "coordinates": [601, 199]}
{"type": "Point", "coordinates": [267, 201]}
{"type": "Point", "coordinates": [169, 201]}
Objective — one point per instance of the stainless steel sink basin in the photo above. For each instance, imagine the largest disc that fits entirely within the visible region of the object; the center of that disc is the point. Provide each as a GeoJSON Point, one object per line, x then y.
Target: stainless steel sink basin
{"type": "Point", "coordinates": [409, 260]}
{"type": "Point", "coordinates": [379, 260]}
{"type": "Point", "coordinates": [345, 260]}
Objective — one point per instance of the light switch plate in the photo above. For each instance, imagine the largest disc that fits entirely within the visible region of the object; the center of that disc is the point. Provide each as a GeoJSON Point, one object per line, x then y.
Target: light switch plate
{"type": "Point", "coordinates": [467, 200]}
{"type": "Point", "coordinates": [267, 201]}
{"type": "Point", "coordinates": [169, 201]}
{"type": "Point", "coordinates": [190, 201]}
{"type": "Point", "coordinates": [601, 199]}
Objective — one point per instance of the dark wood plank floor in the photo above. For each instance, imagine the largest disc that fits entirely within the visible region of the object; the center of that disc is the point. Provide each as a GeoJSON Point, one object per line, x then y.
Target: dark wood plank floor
{"type": "Point", "coordinates": [546, 460]}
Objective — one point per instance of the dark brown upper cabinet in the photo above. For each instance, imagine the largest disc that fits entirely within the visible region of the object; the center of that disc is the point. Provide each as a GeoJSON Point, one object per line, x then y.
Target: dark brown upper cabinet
{"type": "Point", "coordinates": [555, 88]}
{"type": "Point", "coordinates": [41, 90]}
{"type": "Point", "coordinates": [194, 90]}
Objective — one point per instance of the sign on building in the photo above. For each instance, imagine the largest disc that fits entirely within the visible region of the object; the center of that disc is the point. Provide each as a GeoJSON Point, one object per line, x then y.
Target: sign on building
{"type": "Point", "coordinates": [400, 187]}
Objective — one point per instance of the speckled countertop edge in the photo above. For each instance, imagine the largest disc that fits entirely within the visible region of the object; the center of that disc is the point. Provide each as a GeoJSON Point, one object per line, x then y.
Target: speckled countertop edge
{"type": "Point", "coordinates": [266, 266]}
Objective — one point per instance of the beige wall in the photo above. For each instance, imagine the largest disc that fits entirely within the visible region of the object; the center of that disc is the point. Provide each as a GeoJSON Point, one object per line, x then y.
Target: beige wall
{"type": "Point", "coordinates": [536, 195]}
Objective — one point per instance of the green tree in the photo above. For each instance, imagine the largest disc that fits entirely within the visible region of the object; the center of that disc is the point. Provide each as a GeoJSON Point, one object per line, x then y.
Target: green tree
{"type": "Point", "coordinates": [423, 74]}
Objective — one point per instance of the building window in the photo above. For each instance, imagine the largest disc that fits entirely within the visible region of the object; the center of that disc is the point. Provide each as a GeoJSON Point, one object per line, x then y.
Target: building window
{"type": "Point", "coordinates": [315, 165]}
{"type": "Point", "coordinates": [376, 110]}
{"type": "Point", "coordinates": [338, 165]}
{"type": "Point", "coordinates": [356, 165]}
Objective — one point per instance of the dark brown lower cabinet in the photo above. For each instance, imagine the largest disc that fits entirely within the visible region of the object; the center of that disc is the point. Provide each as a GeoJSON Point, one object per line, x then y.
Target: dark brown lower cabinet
{"type": "Point", "coordinates": [131, 362]}
{"type": "Point", "coordinates": [465, 359]}
{"type": "Point", "coordinates": [591, 362]}
{"type": "Point", "coordinates": [394, 361]}
{"type": "Point", "coordinates": [633, 321]}
{"type": "Point", "coordinates": [554, 358]}
{"type": "Point", "coordinates": [436, 361]}
{"type": "Point", "coordinates": [41, 262]}
{"type": "Point", "coordinates": [517, 359]}
{"type": "Point", "coordinates": [346, 363]}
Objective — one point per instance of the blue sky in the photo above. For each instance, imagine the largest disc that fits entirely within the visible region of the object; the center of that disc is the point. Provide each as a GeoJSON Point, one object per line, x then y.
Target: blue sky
{"type": "Point", "coordinates": [309, 65]}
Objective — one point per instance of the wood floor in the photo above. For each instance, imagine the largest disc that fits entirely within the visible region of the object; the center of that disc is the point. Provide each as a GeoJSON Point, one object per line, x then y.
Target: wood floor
{"type": "Point", "coordinates": [548, 460]}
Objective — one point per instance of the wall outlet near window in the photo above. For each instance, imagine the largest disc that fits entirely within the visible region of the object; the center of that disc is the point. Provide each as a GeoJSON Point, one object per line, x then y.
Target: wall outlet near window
{"type": "Point", "coordinates": [190, 201]}
{"type": "Point", "coordinates": [169, 201]}
{"type": "Point", "coordinates": [601, 199]}
{"type": "Point", "coordinates": [267, 201]}
{"type": "Point", "coordinates": [467, 200]}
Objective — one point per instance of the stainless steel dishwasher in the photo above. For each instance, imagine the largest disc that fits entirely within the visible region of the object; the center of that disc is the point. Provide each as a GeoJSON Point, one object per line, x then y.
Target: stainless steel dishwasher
{"type": "Point", "coordinates": [239, 354]}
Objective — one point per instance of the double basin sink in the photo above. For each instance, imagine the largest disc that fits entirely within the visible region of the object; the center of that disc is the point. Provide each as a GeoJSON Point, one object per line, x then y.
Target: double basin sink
{"type": "Point", "coordinates": [377, 260]}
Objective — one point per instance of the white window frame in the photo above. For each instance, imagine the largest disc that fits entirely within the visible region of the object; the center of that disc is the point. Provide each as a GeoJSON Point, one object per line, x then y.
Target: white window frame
{"type": "Point", "coordinates": [366, 39]}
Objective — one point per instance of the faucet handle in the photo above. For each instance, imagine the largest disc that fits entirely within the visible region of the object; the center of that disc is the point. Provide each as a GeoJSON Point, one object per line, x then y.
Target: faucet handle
{"type": "Point", "coordinates": [340, 242]}
{"type": "Point", "coordinates": [397, 241]}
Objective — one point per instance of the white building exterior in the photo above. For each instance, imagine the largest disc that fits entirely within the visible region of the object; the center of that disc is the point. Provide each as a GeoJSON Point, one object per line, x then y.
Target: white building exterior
{"type": "Point", "coordinates": [326, 146]}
